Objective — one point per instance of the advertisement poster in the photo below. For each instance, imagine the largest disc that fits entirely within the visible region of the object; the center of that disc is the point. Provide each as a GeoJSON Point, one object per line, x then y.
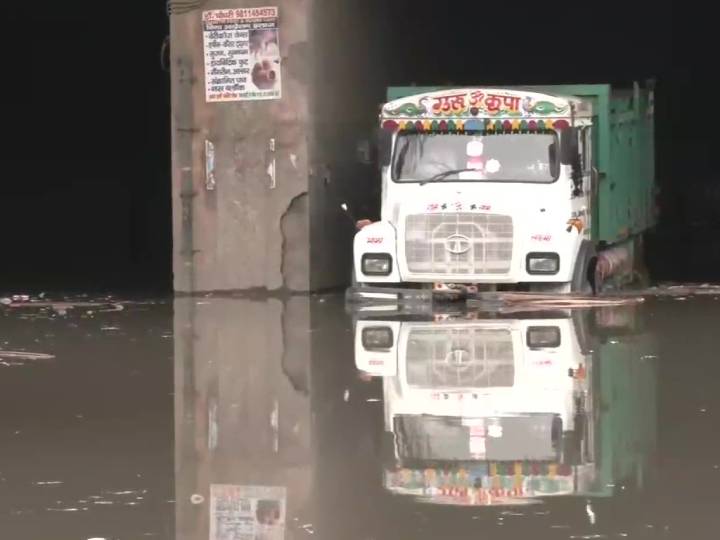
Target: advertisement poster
{"type": "Point", "coordinates": [242, 54]}
{"type": "Point", "coordinates": [247, 512]}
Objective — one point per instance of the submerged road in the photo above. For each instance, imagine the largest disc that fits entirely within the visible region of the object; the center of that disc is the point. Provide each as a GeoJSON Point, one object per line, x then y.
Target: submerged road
{"type": "Point", "coordinates": [209, 418]}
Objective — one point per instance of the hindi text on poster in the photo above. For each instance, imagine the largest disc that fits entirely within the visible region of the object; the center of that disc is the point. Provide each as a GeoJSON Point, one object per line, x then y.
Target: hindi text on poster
{"type": "Point", "coordinates": [242, 54]}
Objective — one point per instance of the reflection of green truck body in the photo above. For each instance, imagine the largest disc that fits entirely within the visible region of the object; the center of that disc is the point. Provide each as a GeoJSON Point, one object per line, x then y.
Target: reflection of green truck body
{"type": "Point", "coordinates": [626, 432]}
{"type": "Point", "coordinates": [623, 155]}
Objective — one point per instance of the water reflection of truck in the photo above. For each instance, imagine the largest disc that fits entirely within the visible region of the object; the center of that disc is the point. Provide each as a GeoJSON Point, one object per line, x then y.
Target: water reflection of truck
{"type": "Point", "coordinates": [507, 411]}
{"type": "Point", "coordinates": [528, 188]}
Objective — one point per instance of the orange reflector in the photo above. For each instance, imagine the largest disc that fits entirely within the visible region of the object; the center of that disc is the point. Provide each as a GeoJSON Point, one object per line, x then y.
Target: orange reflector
{"type": "Point", "coordinates": [580, 373]}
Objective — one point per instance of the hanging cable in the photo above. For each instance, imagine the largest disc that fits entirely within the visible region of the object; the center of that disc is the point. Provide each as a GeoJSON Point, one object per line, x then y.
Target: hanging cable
{"type": "Point", "coordinates": [164, 54]}
{"type": "Point", "coordinates": [180, 7]}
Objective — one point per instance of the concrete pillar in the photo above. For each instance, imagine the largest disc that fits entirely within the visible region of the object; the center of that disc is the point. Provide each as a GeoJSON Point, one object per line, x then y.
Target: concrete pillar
{"type": "Point", "coordinates": [244, 230]}
{"type": "Point", "coordinates": [230, 233]}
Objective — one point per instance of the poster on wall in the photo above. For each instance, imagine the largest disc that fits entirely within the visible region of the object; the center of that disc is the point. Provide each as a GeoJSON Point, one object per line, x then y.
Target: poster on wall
{"type": "Point", "coordinates": [242, 54]}
{"type": "Point", "coordinates": [247, 512]}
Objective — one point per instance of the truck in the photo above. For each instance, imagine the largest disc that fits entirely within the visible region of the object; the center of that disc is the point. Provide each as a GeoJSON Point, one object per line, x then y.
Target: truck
{"type": "Point", "coordinates": [483, 410]}
{"type": "Point", "coordinates": [547, 189]}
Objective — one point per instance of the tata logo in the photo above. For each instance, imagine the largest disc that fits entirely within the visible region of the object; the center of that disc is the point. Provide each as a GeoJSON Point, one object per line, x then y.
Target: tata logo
{"type": "Point", "coordinates": [458, 357]}
{"type": "Point", "coordinates": [457, 244]}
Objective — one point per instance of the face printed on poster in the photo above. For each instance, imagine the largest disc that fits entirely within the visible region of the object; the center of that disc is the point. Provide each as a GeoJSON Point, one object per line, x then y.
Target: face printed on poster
{"type": "Point", "coordinates": [265, 53]}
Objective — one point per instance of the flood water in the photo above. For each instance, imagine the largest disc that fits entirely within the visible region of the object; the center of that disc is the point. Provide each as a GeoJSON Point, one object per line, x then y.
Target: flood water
{"type": "Point", "coordinates": [229, 419]}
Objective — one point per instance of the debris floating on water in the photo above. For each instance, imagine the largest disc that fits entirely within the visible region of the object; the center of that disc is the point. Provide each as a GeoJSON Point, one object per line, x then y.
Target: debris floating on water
{"type": "Point", "coordinates": [520, 301]}
{"type": "Point", "coordinates": [23, 355]}
{"type": "Point", "coordinates": [61, 306]}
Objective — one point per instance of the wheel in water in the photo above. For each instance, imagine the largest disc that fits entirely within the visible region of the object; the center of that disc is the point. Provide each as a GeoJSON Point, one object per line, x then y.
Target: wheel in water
{"type": "Point", "coordinates": [584, 281]}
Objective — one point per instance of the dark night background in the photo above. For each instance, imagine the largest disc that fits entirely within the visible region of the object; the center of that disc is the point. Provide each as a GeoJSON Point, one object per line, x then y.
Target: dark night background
{"type": "Point", "coordinates": [86, 185]}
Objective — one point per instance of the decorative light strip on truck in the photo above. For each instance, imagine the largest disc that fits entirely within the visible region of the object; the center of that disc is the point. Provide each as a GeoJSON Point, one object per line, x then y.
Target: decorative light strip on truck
{"type": "Point", "coordinates": [465, 475]}
{"type": "Point", "coordinates": [475, 124]}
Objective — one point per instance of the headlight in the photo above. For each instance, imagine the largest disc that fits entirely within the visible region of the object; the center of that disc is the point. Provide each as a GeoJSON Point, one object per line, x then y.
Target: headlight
{"type": "Point", "coordinates": [376, 264]}
{"type": "Point", "coordinates": [377, 338]}
{"type": "Point", "coordinates": [543, 263]}
{"type": "Point", "coordinates": [543, 337]}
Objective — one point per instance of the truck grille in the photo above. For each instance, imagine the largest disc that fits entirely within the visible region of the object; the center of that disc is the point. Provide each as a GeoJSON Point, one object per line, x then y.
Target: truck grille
{"type": "Point", "coordinates": [460, 357]}
{"type": "Point", "coordinates": [462, 244]}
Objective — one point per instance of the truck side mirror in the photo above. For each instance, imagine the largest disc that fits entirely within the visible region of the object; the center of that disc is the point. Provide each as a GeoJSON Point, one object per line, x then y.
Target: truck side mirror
{"type": "Point", "coordinates": [570, 155]}
{"type": "Point", "coordinates": [384, 141]}
{"type": "Point", "coordinates": [569, 150]}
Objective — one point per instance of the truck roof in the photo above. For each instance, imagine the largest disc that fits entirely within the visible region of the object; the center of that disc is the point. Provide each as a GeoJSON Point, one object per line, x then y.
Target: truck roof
{"type": "Point", "coordinates": [558, 91]}
{"type": "Point", "coordinates": [585, 91]}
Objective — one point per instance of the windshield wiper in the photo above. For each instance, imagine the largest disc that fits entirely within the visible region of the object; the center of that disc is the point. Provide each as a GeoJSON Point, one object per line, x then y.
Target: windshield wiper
{"type": "Point", "coordinates": [445, 174]}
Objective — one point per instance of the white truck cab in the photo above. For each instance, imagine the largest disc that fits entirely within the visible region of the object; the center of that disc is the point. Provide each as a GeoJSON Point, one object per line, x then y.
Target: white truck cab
{"type": "Point", "coordinates": [482, 186]}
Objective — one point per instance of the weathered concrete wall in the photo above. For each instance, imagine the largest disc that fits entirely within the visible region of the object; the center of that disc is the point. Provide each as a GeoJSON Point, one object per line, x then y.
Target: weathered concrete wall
{"type": "Point", "coordinates": [242, 403]}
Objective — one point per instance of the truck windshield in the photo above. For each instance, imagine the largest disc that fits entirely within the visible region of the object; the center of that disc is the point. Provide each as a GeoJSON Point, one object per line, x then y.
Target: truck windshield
{"type": "Point", "coordinates": [516, 157]}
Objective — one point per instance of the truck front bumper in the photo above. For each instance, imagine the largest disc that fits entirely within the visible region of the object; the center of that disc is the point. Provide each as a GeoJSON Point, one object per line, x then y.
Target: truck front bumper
{"type": "Point", "coordinates": [539, 258]}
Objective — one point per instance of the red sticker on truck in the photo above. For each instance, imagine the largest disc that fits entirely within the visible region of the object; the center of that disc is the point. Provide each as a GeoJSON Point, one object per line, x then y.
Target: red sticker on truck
{"type": "Point", "coordinates": [543, 363]}
{"type": "Point", "coordinates": [457, 206]}
{"type": "Point", "coordinates": [541, 237]}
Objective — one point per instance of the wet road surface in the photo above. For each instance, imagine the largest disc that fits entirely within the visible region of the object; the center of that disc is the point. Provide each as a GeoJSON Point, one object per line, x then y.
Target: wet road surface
{"type": "Point", "coordinates": [302, 418]}
{"type": "Point", "coordinates": [86, 436]}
